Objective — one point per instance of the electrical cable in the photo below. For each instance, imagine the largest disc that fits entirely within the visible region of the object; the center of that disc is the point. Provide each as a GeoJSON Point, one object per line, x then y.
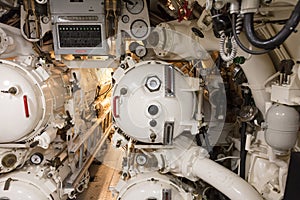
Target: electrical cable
{"type": "Point", "coordinates": [276, 40]}
{"type": "Point", "coordinates": [240, 44]}
{"type": "Point", "coordinates": [228, 157]}
{"type": "Point", "coordinates": [233, 51]}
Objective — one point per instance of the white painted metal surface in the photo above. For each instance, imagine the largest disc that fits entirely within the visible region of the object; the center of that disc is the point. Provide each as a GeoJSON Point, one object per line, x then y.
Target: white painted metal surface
{"type": "Point", "coordinates": [151, 186]}
{"type": "Point", "coordinates": [282, 127]}
{"type": "Point", "coordinates": [23, 112]}
{"type": "Point", "coordinates": [140, 98]}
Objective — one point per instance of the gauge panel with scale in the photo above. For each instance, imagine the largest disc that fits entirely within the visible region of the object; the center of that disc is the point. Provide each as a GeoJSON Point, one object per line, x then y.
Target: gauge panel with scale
{"type": "Point", "coordinates": [139, 28]}
{"type": "Point", "coordinates": [125, 19]}
{"type": "Point", "coordinates": [135, 6]}
{"type": "Point", "coordinates": [37, 158]}
{"type": "Point", "coordinates": [140, 51]}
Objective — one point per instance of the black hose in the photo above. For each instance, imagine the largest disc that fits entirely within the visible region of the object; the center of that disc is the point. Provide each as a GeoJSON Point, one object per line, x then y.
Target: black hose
{"type": "Point", "coordinates": [243, 152]}
{"type": "Point", "coordinates": [240, 44]}
{"type": "Point", "coordinates": [276, 40]}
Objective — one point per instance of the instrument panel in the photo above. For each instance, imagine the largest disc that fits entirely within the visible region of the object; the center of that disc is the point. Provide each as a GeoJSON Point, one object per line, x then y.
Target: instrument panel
{"type": "Point", "coordinates": [135, 19]}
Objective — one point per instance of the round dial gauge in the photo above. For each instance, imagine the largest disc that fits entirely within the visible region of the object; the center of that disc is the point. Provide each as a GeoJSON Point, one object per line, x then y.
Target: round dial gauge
{"type": "Point", "coordinates": [140, 51]}
{"type": "Point", "coordinates": [139, 28]}
{"type": "Point", "coordinates": [37, 158]}
{"type": "Point", "coordinates": [125, 19]}
{"type": "Point", "coordinates": [135, 6]}
{"type": "Point", "coordinates": [141, 159]}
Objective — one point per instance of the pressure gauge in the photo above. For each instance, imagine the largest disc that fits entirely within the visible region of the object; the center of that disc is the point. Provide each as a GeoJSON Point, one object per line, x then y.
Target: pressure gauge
{"type": "Point", "coordinates": [139, 28]}
{"type": "Point", "coordinates": [141, 159]}
{"type": "Point", "coordinates": [125, 19]}
{"type": "Point", "coordinates": [37, 158]}
{"type": "Point", "coordinates": [140, 51]}
{"type": "Point", "coordinates": [135, 6]}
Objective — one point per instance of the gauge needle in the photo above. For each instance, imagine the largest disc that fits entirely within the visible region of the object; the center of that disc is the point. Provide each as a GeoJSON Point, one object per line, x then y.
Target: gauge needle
{"type": "Point", "coordinates": [129, 2]}
{"type": "Point", "coordinates": [134, 5]}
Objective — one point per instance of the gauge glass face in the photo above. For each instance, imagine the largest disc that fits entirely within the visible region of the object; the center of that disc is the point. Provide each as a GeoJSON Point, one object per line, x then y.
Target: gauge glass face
{"type": "Point", "coordinates": [135, 6]}
{"type": "Point", "coordinates": [125, 19]}
{"type": "Point", "coordinates": [139, 28]}
{"type": "Point", "coordinates": [36, 159]}
{"type": "Point", "coordinates": [141, 51]}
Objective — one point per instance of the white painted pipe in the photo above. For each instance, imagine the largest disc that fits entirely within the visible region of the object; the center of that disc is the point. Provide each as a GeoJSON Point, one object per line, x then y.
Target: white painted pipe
{"type": "Point", "coordinates": [257, 70]}
{"type": "Point", "coordinates": [224, 180]}
{"type": "Point", "coordinates": [190, 161]}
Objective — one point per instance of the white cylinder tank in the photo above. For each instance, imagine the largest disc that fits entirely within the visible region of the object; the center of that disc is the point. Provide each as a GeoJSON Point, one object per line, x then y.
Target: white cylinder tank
{"type": "Point", "coordinates": [282, 127]}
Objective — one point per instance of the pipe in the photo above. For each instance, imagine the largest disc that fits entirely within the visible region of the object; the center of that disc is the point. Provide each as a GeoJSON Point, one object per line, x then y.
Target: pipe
{"type": "Point", "coordinates": [264, 66]}
{"type": "Point", "coordinates": [276, 40]}
{"type": "Point", "coordinates": [224, 180]}
{"type": "Point", "coordinates": [187, 160]}
{"type": "Point", "coordinates": [243, 130]}
{"type": "Point", "coordinates": [243, 152]}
